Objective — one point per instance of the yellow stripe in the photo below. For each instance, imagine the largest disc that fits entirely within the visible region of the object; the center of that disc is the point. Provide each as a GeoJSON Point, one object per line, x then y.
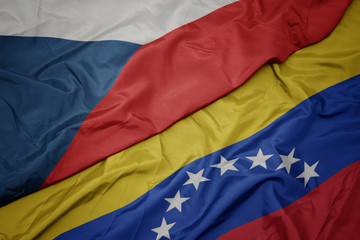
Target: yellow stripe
{"type": "Point", "coordinates": [122, 178]}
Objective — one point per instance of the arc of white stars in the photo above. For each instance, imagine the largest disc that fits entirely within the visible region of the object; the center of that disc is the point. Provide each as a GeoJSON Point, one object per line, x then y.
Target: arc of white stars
{"type": "Point", "coordinates": [163, 230]}
{"type": "Point", "coordinates": [287, 161]}
{"type": "Point", "coordinates": [309, 172]}
{"type": "Point", "coordinates": [225, 165]}
{"type": "Point", "coordinates": [196, 179]}
{"type": "Point", "coordinates": [259, 159]}
{"type": "Point", "coordinates": [176, 201]}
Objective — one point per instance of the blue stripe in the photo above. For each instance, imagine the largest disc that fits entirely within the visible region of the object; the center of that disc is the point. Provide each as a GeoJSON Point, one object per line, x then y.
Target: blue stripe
{"type": "Point", "coordinates": [47, 88]}
{"type": "Point", "coordinates": [324, 128]}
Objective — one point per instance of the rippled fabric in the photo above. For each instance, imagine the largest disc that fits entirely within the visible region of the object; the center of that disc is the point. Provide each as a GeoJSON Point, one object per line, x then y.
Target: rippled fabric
{"type": "Point", "coordinates": [50, 85]}
{"type": "Point", "coordinates": [192, 66]}
{"type": "Point", "coordinates": [322, 132]}
{"type": "Point", "coordinates": [122, 178]}
{"type": "Point", "coordinates": [158, 86]}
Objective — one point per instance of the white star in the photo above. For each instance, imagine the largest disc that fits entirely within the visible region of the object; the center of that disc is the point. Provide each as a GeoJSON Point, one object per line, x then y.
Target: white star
{"type": "Point", "coordinates": [225, 165]}
{"type": "Point", "coordinates": [287, 161]}
{"type": "Point", "coordinates": [163, 230]}
{"type": "Point", "coordinates": [309, 171]}
{"type": "Point", "coordinates": [260, 159]}
{"type": "Point", "coordinates": [196, 179]}
{"type": "Point", "coordinates": [176, 201]}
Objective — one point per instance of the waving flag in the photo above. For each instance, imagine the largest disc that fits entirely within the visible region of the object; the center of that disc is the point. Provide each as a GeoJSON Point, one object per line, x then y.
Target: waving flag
{"type": "Point", "coordinates": [260, 151]}
{"type": "Point", "coordinates": [64, 116]}
{"type": "Point", "coordinates": [61, 81]}
{"type": "Point", "coordinates": [228, 188]}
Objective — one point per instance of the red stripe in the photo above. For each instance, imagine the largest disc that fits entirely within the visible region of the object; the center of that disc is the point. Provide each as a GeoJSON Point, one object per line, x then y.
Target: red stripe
{"type": "Point", "coordinates": [191, 67]}
{"type": "Point", "coordinates": [330, 211]}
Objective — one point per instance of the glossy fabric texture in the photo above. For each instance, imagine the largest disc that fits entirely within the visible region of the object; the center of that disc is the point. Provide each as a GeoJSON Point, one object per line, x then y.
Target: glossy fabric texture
{"type": "Point", "coordinates": [38, 132]}
{"type": "Point", "coordinates": [274, 90]}
{"type": "Point", "coordinates": [328, 212]}
{"type": "Point", "coordinates": [323, 131]}
{"type": "Point", "coordinates": [138, 21]}
{"type": "Point", "coordinates": [178, 74]}
{"type": "Point", "coordinates": [47, 88]}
